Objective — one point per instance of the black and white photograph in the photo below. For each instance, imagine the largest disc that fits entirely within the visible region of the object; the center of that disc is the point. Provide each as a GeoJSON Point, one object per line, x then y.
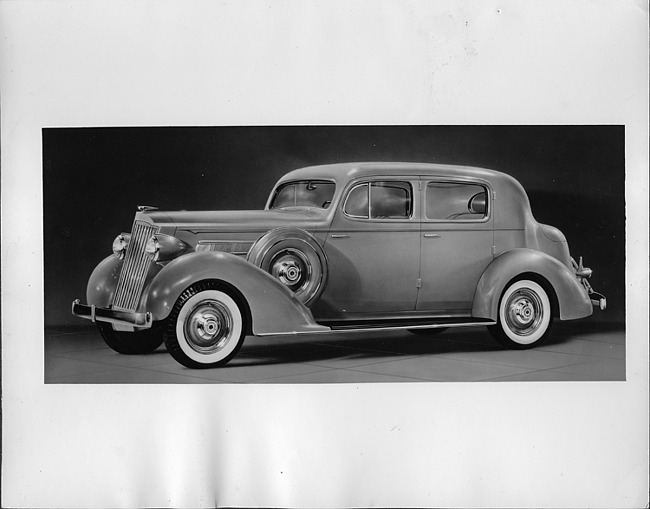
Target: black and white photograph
{"type": "Point", "coordinates": [303, 254]}
{"type": "Point", "coordinates": [454, 274]}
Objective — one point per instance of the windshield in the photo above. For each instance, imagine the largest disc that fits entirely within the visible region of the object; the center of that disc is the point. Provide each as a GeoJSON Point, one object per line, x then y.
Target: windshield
{"type": "Point", "coordinates": [303, 193]}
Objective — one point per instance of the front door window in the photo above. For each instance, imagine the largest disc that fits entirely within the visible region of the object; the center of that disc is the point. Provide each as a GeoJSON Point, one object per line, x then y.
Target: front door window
{"type": "Point", "coordinates": [380, 200]}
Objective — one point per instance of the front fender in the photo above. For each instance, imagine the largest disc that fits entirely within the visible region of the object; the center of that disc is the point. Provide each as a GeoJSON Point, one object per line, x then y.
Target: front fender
{"type": "Point", "coordinates": [102, 283]}
{"type": "Point", "coordinates": [572, 299]}
{"type": "Point", "coordinates": [274, 309]}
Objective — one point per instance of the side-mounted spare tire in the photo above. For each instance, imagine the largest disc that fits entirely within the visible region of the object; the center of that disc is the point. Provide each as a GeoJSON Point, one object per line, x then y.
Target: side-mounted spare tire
{"type": "Point", "coordinates": [295, 258]}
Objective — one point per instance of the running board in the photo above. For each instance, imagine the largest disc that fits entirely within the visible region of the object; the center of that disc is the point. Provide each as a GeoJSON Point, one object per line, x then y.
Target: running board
{"type": "Point", "coordinates": [388, 325]}
{"type": "Point", "coordinates": [410, 324]}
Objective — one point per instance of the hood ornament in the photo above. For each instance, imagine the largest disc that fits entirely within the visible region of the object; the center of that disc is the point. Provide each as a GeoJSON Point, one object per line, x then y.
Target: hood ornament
{"type": "Point", "coordinates": [146, 208]}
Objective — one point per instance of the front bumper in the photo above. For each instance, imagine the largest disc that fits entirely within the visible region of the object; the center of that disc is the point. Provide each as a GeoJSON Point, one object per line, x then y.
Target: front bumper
{"type": "Point", "coordinates": [115, 316]}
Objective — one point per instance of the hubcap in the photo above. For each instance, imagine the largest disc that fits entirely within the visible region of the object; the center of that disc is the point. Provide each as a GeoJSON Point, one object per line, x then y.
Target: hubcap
{"type": "Point", "coordinates": [289, 272]}
{"type": "Point", "coordinates": [292, 268]}
{"type": "Point", "coordinates": [208, 326]}
{"type": "Point", "coordinates": [524, 312]}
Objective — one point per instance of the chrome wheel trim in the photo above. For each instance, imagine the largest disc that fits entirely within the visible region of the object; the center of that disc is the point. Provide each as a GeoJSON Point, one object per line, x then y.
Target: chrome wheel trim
{"type": "Point", "coordinates": [292, 268]}
{"type": "Point", "coordinates": [525, 312]}
{"type": "Point", "coordinates": [209, 326]}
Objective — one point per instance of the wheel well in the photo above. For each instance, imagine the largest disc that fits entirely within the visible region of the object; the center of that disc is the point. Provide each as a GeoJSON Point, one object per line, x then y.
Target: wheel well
{"type": "Point", "coordinates": [237, 296]}
{"type": "Point", "coordinates": [544, 283]}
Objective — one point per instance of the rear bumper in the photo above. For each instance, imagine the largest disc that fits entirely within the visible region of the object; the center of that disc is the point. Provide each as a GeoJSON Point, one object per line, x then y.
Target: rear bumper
{"type": "Point", "coordinates": [598, 299]}
{"type": "Point", "coordinates": [116, 316]}
{"type": "Point", "coordinates": [583, 274]}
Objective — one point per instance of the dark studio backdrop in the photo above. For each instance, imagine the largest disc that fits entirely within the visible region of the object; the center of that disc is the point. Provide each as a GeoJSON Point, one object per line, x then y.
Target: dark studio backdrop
{"type": "Point", "coordinates": [93, 179]}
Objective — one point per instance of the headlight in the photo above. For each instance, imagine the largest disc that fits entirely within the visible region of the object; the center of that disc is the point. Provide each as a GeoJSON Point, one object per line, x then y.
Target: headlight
{"type": "Point", "coordinates": [162, 248]}
{"type": "Point", "coordinates": [120, 244]}
{"type": "Point", "coordinates": [153, 248]}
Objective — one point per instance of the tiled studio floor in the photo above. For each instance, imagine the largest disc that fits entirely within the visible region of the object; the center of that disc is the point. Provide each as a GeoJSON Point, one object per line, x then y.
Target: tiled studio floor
{"type": "Point", "coordinates": [577, 351]}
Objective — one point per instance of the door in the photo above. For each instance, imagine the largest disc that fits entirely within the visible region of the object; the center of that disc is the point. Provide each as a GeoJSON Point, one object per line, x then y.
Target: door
{"type": "Point", "coordinates": [373, 251]}
{"type": "Point", "coordinates": [457, 242]}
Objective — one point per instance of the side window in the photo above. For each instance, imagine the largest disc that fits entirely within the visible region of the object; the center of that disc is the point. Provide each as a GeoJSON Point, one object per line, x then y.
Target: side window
{"type": "Point", "coordinates": [390, 200]}
{"type": "Point", "coordinates": [455, 201]}
{"type": "Point", "coordinates": [357, 203]}
{"type": "Point", "coordinates": [380, 200]}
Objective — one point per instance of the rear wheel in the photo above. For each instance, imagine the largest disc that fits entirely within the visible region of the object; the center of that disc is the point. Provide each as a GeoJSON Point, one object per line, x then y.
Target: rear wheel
{"type": "Point", "coordinates": [206, 326]}
{"type": "Point", "coordinates": [131, 343]}
{"type": "Point", "coordinates": [525, 316]}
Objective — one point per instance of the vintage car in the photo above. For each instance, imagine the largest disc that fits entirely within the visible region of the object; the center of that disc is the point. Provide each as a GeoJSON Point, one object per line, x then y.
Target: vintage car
{"type": "Point", "coordinates": [358, 246]}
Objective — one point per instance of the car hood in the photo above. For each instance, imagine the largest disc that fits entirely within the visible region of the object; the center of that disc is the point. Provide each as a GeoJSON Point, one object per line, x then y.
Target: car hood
{"type": "Point", "coordinates": [236, 220]}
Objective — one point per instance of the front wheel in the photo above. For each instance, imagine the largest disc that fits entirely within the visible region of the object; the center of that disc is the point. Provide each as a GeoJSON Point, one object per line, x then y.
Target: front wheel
{"type": "Point", "coordinates": [525, 316]}
{"type": "Point", "coordinates": [131, 343]}
{"type": "Point", "coordinates": [205, 328]}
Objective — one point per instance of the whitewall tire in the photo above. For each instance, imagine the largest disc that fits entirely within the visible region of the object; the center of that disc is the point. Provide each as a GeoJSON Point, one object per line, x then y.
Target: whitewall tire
{"type": "Point", "coordinates": [525, 315]}
{"type": "Point", "coordinates": [206, 327]}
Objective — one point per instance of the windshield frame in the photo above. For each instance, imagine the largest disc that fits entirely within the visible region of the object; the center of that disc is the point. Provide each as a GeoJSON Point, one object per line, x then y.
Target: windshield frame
{"type": "Point", "coordinates": [283, 184]}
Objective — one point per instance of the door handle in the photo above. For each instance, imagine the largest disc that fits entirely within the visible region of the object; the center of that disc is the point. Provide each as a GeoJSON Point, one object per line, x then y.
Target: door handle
{"type": "Point", "coordinates": [339, 236]}
{"type": "Point", "coordinates": [431, 236]}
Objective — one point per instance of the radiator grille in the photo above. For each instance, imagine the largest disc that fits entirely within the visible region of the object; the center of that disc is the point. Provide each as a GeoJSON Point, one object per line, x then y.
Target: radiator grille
{"type": "Point", "coordinates": [134, 270]}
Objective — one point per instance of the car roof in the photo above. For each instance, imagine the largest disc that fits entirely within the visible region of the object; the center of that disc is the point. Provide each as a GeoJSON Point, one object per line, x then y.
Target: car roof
{"type": "Point", "coordinates": [514, 210]}
{"type": "Point", "coordinates": [343, 172]}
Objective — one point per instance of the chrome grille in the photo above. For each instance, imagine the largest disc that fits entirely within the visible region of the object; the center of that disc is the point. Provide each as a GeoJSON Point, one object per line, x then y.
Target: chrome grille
{"type": "Point", "coordinates": [134, 270]}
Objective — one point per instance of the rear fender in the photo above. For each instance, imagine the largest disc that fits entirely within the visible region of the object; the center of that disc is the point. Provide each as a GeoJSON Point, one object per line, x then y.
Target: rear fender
{"type": "Point", "coordinates": [572, 299]}
{"type": "Point", "coordinates": [273, 308]}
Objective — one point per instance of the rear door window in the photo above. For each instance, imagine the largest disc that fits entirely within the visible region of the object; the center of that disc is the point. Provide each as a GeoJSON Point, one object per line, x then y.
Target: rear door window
{"type": "Point", "coordinates": [452, 201]}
